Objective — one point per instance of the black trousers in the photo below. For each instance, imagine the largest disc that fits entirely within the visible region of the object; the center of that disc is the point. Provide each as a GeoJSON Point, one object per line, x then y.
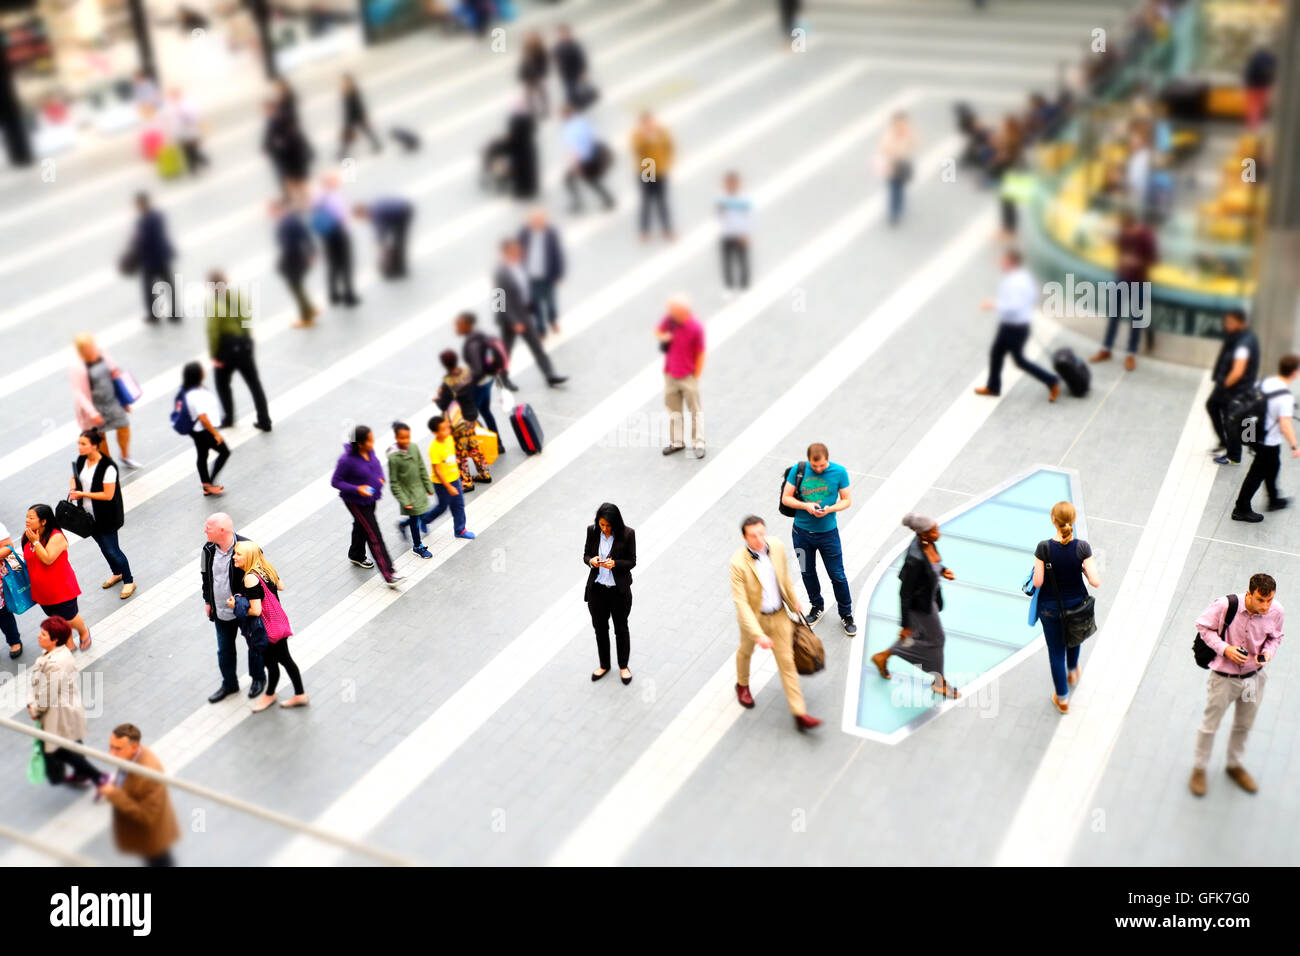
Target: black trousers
{"type": "Point", "coordinates": [60, 761]}
{"type": "Point", "coordinates": [789, 9]}
{"type": "Point", "coordinates": [1263, 470]}
{"type": "Point", "coordinates": [607, 603]}
{"type": "Point", "coordinates": [350, 128]}
{"type": "Point", "coordinates": [1229, 436]}
{"type": "Point", "coordinates": [654, 195]}
{"type": "Point", "coordinates": [589, 172]}
{"type": "Point", "coordinates": [194, 155]}
{"type": "Point", "coordinates": [149, 277]}
{"type": "Point", "coordinates": [338, 265]}
{"type": "Point", "coordinates": [529, 335]}
{"type": "Point", "coordinates": [1011, 340]}
{"type": "Point", "coordinates": [735, 251]}
{"type": "Point", "coordinates": [162, 859]}
{"type": "Point", "coordinates": [294, 281]}
{"type": "Point", "coordinates": [275, 654]}
{"type": "Point", "coordinates": [203, 444]}
{"type": "Point", "coordinates": [237, 356]}
{"type": "Point", "coordinates": [392, 240]}
{"type": "Point", "coordinates": [365, 531]}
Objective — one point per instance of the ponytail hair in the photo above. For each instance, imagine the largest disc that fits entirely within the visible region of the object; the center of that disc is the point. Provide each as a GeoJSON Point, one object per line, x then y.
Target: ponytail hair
{"type": "Point", "coordinates": [94, 436]}
{"type": "Point", "coordinates": [1063, 517]}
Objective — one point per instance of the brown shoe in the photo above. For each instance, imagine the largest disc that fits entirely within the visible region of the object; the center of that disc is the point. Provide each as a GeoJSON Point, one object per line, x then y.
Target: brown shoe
{"type": "Point", "coordinates": [1072, 678]}
{"type": "Point", "coordinates": [1054, 392]}
{"type": "Point", "coordinates": [1101, 356]}
{"type": "Point", "coordinates": [744, 696]}
{"type": "Point", "coordinates": [1243, 779]}
{"type": "Point", "coordinates": [1062, 705]}
{"type": "Point", "coordinates": [1197, 783]}
{"type": "Point", "coordinates": [1130, 363]}
{"type": "Point", "coordinates": [985, 391]}
{"type": "Point", "coordinates": [804, 722]}
{"type": "Point", "coordinates": [880, 660]}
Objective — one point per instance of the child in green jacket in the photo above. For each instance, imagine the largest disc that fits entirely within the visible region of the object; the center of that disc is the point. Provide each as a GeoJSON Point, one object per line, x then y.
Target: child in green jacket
{"type": "Point", "coordinates": [408, 478]}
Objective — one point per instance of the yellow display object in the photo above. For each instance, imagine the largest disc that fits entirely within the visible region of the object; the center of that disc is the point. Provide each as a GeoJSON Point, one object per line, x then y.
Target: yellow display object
{"type": "Point", "coordinates": [1226, 101]}
{"type": "Point", "coordinates": [487, 444]}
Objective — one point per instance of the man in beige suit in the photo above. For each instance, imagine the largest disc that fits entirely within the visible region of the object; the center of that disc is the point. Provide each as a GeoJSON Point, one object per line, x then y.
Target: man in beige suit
{"type": "Point", "coordinates": [761, 588]}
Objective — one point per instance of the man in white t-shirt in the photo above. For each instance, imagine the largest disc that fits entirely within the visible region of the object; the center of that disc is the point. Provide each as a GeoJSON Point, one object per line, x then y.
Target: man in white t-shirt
{"type": "Point", "coordinates": [1276, 426]}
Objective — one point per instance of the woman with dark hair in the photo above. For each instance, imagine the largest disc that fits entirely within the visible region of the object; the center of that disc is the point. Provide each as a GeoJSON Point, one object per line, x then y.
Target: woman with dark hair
{"type": "Point", "coordinates": [95, 480]}
{"type": "Point", "coordinates": [203, 407]}
{"type": "Point", "coordinates": [54, 699]}
{"type": "Point", "coordinates": [533, 67]}
{"type": "Point", "coordinates": [355, 117]}
{"type": "Point", "coordinates": [54, 584]}
{"type": "Point", "coordinates": [458, 386]}
{"type": "Point", "coordinates": [359, 478]}
{"type": "Point", "coordinates": [921, 639]}
{"type": "Point", "coordinates": [610, 552]}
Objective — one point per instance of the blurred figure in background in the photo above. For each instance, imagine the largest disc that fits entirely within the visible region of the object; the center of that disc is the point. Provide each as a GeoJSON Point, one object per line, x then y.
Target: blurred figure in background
{"type": "Point", "coordinates": [392, 221]}
{"type": "Point", "coordinates": [894, 161]}
{"type": "Point", "coordinates": [1016, 301]}
{"type": "Point", "coordinates": [652, 150]}
{"type": "Point", "coordinates": [1135, 254]}
{"type": "Point", "coordinates": [788, 11]}
{"type": "Point", "coordinates": [736, 214]}
{"type": "Point", "coordinates": [230, 343]}
{"type": "Point", "coordinates": [510, 161]}
{"type": "Point", "coordinates": [1137, 170]}
{"type": "Point", "coordinates": [587, 158]}
{"type": "Point", "coordinates": [153, 254]}
{"type": "Point", "coordinates": [571, 65]}
{"type": "Point", "coordinates": [95, 396]}
{"type": "Point", "coordinates": [1260, 72]}
{"type": "Point", "coordinates": [458, 386]}
{"type": "Point", "coordinates": [544, 257]}
{"type": "Point", "coordinates": [534, 64]}
{"type": "Point", "coordinates": [682, 338]}
{"type": "Point", "coordinates": [510, 286]}
{"type": "Point", "coordinates": [286, 146]}
{"type": "Point", "coordinates": [1008, 152]}
{"type": "Point", "coordinates": [329, 220]}
{"type": "Point", "coordinates": [355, 118]}
{"type": "Point", "coordinates": [297, 251]}
{"type": "Point", "coordinates": [186, 129]}
{"type": "Point", "coordinates": [486, 359]}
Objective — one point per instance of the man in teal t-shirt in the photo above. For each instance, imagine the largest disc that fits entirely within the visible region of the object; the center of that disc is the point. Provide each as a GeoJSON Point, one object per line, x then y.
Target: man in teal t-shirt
{"type": "Point", "coordinates": [823, 491]}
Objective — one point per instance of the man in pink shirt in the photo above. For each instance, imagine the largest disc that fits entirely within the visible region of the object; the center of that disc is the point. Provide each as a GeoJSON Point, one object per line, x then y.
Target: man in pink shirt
{"type": "Point", "coordinates": [1236, 673]}
{"type": "Point", "coordinates": [682, 336]}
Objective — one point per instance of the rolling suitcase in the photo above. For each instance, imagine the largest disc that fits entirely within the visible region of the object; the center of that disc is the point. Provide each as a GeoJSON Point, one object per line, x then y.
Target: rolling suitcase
{"type": "Point", "coordinates": [1073, 371]}
{"type": "Point", "coordinates": [171, 161]}
{"type": "Point", "coordinates": [527, 429]}
{"type": "Point", "coordinates": [487, 444]}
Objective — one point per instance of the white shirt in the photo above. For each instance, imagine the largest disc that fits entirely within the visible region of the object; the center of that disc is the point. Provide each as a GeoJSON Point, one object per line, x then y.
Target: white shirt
{"type": "Point", "coordinates": [1017, 297]}
{"type": "Point", "coordinates": [605, 576]}
{"type": "Point", "coordinates": [537, 253]}
{"type": "Point", "coordinates": [736, 213]}
{"type": "Point", "coordinates": [88, 473]}
{"type": "Point", "coordinates": [767, 577]}
{"type": "Point", "coordinates": [1280, 407]}
{"type": "Point", "coordinates": [184, 120]}
{"type": "Point", "coordinates": [579, 137]}
{"type": "Point", "coordinates": [200, 401]}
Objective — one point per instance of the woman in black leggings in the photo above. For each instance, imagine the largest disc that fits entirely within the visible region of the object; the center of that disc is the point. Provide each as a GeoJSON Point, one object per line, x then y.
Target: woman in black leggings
{"type": "Point", "coordinates": [260, 586]}
{"type": "Point", "coordinates": [202, 405]}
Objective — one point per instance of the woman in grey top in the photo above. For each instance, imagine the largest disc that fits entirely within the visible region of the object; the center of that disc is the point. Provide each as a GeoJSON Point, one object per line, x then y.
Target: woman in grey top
{"type": "Point", "coordinates": [96, 399]}
{"type": "Point", "coordinates": [921, 639]}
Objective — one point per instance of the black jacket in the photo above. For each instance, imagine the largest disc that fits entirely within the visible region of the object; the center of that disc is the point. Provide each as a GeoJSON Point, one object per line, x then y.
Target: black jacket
{"type": "Point", "coordinates": [205, 572]}
{"type": "Point", "coordinates": [109, 515]}
{"type": "Point", "coordinates": [296, 246]}
{"type": "Point", "coordinates": [918, 579]}
{"type": "Point", "coordinates": [624, 554]}
{"type": "Point", "coordinates": [570, 61]}
{"type": "Point", "coordinates": [1223, 364]}
{"type": "Point", "coordinates": [151, 244]}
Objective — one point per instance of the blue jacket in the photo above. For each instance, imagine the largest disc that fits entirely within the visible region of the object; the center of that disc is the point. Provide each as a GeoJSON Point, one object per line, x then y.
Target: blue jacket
{"type": "Point", "coordinates": [351, 471]}
{"type": "Point", "coordinates": [151, 243]}
{"type": "Point", "coordinates": [296, 246]}
{"type": "Point", "coordinates": [553, 254]}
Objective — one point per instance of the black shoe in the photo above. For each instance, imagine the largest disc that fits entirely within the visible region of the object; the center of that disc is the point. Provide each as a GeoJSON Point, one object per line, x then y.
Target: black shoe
{"type": "Point", "coordinates": [352, 302]}
{"type": "Point", "coordinates": [596, 677]}
{"type": "Point", "coordinates": [1252, 516]}
{"type": "Point", "coordinates": [673, 449]}
{"type": "Point", "coordinates": [815, 615]}
{"type": "Point", "coordinates": [626, 680]}
{"type": "Point", "coordinates": [480, 480]}
{"type": "Point", "coordinates": [555, 380]}
{"type": "Point", "coordinates": [363, 563]}
{"type": "Point", "coordinates": [508, 384]}
{"type": "Point", "coordinates": [1278, 504]}
{"type": "Point", "coordinates": [850, 629]}
{"type": "Point", "coordinates": [151, 319]}
{"type": "Point", "coordinates": [257, 688]}
{"type": "Point", "coordinates": [262, 426]}
{"type": "Point", "coordinates": [222, 693]}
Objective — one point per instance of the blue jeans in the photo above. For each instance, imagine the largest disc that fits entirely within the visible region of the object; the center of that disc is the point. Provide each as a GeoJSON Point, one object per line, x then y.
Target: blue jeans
{"type": "Point", "coordinates": [806, 546]}
{"type": "Point", "coordinates": [1060, 658]}
{"type": "Point", "coordinates": [412, 524]}
{"type": "Point", "coordinates": [455, 502]}
{"type": "Point", "coordinates": [117, 562]}
{"type": "Point", "coordinates": [483, 399]}
{"type": "Point", "coordinates": [227, 660]}
{"type": "Point", "coordinates": [896, 186]}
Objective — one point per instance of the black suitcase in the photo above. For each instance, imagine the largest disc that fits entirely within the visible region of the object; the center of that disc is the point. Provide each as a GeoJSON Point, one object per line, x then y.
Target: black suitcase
{"type": "Point", "coordinates": [1073, 370]}
{"type": "Point", "coordinates": [408, 140]}
{"type": "Point", "coordinates": [528, 431]}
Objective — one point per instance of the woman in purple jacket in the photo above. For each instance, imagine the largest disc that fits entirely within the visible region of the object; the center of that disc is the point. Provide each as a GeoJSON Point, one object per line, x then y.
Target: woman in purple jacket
{"type": "Point", "coordinates": [359, 477]}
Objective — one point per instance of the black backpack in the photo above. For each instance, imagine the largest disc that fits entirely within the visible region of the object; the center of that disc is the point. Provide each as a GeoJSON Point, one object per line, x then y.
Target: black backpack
{"type": "Point", "coordinates": [798, 483]}
{"type": "Point", "coordinates": [1252, 406]}
{"type": "Point", "coordinates": [1203, 652]}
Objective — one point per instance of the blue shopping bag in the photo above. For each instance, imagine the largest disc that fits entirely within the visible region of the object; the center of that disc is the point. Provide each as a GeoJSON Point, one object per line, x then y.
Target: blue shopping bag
{"type": "Point", "coordinates": [16, 585]}
{"type": "Point", "coordinates": [126, 388]}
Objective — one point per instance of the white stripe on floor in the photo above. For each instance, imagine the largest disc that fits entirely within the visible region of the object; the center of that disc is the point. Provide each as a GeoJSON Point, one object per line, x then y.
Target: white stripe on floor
{"type": "Point", "coordinates": [624, 813]}
{"type": "Point", "coordinates": [335, 625]}
{"type": "Point", "coordinates": [1056, 804]}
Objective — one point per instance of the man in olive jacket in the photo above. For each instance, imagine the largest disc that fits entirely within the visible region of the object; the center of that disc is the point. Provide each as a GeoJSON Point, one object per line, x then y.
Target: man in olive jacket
{"type": "Point", "coordinates": [408, 478]}
{"type": "Point", "coordinates": [230, 343]}
{"type": "Point", "coordinates": [143, 820]}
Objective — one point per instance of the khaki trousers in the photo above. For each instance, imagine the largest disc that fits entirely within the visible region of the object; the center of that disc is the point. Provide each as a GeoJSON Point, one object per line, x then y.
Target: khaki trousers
{"type": "Point", "coordinates": [1220, 693]}
{"type": "Point", "coordinates": [780, 629]}
{"type": "Point", "coordinates": [676, 392]}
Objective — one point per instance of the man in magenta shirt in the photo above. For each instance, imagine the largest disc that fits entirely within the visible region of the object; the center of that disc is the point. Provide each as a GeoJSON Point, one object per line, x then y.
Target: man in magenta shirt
{"type": "Point", "coordinates": [682, 336]}
{"type": "Point", "coordinates": [1237, 673]}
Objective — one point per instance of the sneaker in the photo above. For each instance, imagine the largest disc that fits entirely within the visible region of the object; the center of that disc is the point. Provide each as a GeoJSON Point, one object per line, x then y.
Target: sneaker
{"type": "Point", "coordinates": [469, 535]}
{"type": "Point", "coordinates": [850, 629]}
{"type": "Point", "coordinates": [1197, 783]}
{"type": "Point", "coordinates": [395, 580]}
{"type": "Point", "coordinates": [1254, 517]}
{"type": "Point", "coordinates": [423, 552]}
{"type": "Point", "coordinates": [1218, 450]}
{"type": "Point", "coordinates": [363, 563]}
{"type": "Point", "coordinates": [1130, 363]}
{"type": "Point", "coordinates": [1225, 460]}
{"type": "Point", "coordinates": [132, 463]}
{"type": "Point", "coordinates": [815, 615]}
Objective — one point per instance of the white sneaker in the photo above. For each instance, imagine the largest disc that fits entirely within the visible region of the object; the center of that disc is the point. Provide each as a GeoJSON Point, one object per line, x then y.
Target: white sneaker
{"type": "Point", "coordinates": [397, 579]}
{"type": "Point", "coordinates": [132, 463]}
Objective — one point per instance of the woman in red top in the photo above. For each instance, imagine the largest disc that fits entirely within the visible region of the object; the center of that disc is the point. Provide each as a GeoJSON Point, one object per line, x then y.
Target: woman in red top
{"type": "Point", "coordinates": [54, 585]}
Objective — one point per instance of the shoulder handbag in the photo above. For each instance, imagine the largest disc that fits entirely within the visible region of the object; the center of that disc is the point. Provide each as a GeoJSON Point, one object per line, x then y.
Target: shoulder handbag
{"type": "Point", "coordinates": [74, 518]}
{"type": "Point", "coordinates": [126, 388]}
{"type": "Point", "coordinates": [1203, 652]}
{"type": "Point", "coordinates": [274, 619]}
{"type": "Point", "coordinates": [809, 654]}
{"type": "Point", "coordinates": [16, 585]}
{"type": "Point", "coordinates": [1078, 623]}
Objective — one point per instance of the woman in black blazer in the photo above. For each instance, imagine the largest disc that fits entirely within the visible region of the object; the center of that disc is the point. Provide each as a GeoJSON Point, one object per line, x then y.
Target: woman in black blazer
{"type": "Point", "coordinates": [610, 552]}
